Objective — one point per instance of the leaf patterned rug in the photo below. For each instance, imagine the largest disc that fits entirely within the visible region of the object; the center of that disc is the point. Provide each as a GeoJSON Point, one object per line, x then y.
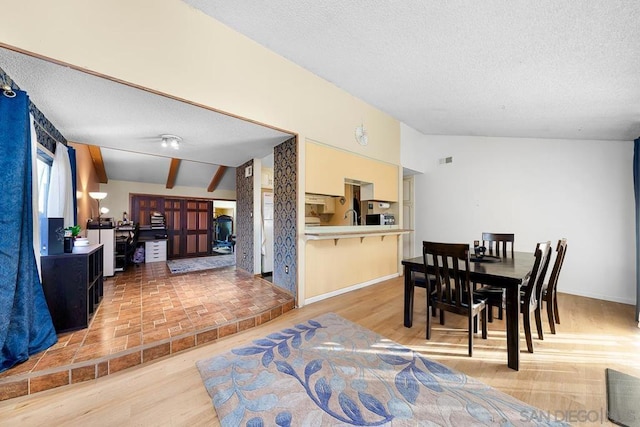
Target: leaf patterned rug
{"type": "Point", "coordinates": [186, 265]}
{"type": "Point", "coordinates": [330, 371]}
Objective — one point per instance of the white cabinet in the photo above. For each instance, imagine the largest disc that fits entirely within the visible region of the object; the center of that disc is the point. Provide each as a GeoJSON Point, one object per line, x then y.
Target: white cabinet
{"type": "Point", "coordinates": [155, 251]}
{"type": "Point", "coordinates": [106, 236]}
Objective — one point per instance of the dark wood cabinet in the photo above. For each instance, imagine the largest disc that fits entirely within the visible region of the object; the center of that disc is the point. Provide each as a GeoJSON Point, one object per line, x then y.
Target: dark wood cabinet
{"type": "Point", "coordinates": [73, 286]}
{"type": "Point", "coordinates": [142, 207]}
{"type": "Point", "coordinates": [189, 222]}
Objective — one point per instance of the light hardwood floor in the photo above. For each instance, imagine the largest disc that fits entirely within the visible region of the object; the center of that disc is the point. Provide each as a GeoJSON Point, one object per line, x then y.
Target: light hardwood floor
{"type": "Point", "coordinates": [565, 374]}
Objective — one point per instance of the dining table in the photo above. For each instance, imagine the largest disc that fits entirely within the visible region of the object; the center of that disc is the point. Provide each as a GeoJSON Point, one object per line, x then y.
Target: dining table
{"type": "Point", "coordinates": [507, 272]}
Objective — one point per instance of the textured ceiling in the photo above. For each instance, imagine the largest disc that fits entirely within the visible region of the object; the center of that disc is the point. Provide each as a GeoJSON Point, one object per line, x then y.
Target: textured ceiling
{"type": "Point", "coordinates": [543, 69]}
{"type": "Point", "coordinates": [127, 123]}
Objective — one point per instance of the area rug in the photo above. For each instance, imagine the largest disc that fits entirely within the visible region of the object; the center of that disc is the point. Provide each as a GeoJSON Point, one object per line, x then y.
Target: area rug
{"type": "Point", "coordinates": [623, 396]}
{"type": "Point", "coordinates": [202, 263]}
{"type": "Point", "coordinates": [329, 371]}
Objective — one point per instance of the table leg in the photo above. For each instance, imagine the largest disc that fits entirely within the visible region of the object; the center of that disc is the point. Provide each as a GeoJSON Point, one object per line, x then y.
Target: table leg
{"type": "Point", "coordinates": [408, 298]}
{"type": "Point", "coordinates": [512, 314]}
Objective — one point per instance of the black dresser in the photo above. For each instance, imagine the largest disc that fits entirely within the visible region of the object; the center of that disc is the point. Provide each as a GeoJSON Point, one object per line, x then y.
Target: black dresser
{"type": "Point", "coordinates": [73, 286]}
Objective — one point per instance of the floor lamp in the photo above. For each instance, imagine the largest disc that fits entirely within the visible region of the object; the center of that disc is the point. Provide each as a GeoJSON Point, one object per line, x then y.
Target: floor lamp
{"type": "Point", "coordinates": [98, 195]}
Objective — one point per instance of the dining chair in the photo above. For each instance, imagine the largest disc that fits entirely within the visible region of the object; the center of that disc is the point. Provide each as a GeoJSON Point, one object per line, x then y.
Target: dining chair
{"type": "Point", "coordinates": [530, 293]}
{"type": "Point", "coordinates": [498, 243]}
{"type": "Point", "coordinates": [453, 291]}
{"type": "Point", "coordinates": [549, 294]}
{"type": "Point", "coordinates": [420, 280]}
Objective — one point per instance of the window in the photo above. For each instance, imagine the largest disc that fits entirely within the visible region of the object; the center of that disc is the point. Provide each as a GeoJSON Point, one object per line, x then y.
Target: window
{"type": "Point", "coordinates": [44, 163]}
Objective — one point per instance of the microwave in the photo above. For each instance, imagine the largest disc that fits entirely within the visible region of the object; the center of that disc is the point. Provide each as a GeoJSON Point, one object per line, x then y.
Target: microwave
{"type": "Point", "coordinates": [380, 219]}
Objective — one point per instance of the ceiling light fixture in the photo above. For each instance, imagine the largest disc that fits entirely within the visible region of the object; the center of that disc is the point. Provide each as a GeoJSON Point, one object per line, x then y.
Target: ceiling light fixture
{"type": "Point", "coordinates": [172, 141]}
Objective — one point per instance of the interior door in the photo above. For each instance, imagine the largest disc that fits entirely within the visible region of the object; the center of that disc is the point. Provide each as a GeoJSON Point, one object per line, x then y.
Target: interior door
{"type": "Point", "coordinates": [407, 216]}
{"type": "Point", "coordinates": [198, 217]}
{"type": "Point", "coordinates": [176, 227]}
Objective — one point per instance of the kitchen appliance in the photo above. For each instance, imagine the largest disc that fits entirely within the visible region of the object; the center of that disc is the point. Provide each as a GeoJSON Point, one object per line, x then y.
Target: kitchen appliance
{"type": "Point", "coordinates": [380, 219]}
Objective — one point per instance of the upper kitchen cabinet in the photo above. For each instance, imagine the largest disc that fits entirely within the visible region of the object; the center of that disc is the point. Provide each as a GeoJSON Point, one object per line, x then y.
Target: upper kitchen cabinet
{"type": "Point", "coordinates": [328, 168]}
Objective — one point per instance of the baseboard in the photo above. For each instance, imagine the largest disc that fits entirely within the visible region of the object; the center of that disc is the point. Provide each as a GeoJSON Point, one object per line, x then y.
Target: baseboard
{"type": "Point", "coordinates": [350, 288]}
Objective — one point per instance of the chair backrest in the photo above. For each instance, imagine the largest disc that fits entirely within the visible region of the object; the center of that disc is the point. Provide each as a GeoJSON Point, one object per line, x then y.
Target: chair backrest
{"type": "Point", "coordinates": [497, 243]}
{"type": "Point", "coordinates": [561, 251]}
{"type": "Point", "coordinates": [444, 261]}
{"type": "Point", "coordinates": [533, 287]}
{"type": "Point", "coordinates": [224, 227]}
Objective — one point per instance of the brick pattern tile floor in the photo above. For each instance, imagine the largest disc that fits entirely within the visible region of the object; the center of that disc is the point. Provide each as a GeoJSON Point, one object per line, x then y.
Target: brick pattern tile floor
{"type": "Point", "coordinates": [147, 312]}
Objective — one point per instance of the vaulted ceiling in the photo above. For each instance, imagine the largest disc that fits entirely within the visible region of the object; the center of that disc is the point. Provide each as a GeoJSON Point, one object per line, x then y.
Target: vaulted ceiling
{"type": "Point", "coordinates": [544, 69]}
{"type": "Point", "coordinates": [540, 69]}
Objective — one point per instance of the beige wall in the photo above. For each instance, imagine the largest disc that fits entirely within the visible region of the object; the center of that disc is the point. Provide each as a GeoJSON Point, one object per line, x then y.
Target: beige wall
{"type": "Point", "coordinates": [210, 65]}
{"type": "Point", "coordinates": [118, 192]}
{"type": "Point", "coordinates": [87, 180]}
{"type": "Point", "coordinates": [333, 267]}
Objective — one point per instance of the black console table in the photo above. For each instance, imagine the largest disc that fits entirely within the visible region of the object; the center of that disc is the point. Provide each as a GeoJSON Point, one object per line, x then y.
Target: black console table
{"type": "Point", "coordinates": [73, 286]}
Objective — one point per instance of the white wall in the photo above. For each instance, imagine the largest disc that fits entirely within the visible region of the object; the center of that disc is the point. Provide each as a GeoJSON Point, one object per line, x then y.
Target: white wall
{"type": "Point", "coordinates": [539, 189]}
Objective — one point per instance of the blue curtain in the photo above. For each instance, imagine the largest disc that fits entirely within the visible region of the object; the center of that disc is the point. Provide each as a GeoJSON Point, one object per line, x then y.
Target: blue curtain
{"type": "Point", "coordinates": [636, 186]}
{"type": "Point", "coordinates": [25, 322]}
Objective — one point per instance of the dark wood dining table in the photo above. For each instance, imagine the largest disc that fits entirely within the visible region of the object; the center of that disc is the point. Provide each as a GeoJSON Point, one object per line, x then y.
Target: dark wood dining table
{"type": "Point", "coordinates": [508, 273]}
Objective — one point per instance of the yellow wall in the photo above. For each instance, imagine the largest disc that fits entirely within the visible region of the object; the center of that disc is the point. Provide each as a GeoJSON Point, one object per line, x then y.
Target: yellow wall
{"type": "Point", "coordinates": [332, 267]}
{"type": "Point", "coordinates": [171, 48]}
{"type": "Point", "coordinates": [195, 57]}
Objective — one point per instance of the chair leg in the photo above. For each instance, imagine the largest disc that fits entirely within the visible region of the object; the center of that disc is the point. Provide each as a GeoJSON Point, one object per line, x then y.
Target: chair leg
{"type": "Point", "coordinates": [471, 335]}
{"type": "Point", "coordinates": [428, 321]}
{"type": "Point", "coordinates": [442, 317]}
{"type": "Point", "coordinates": [538, 315]}
{"type": "Point", "coordinates": [555, 308]}
{"type": "Point", "coordinates": [500, 312]}
{"type": "Point", "coordinates": [490, 310]}
{"type": "Point", "coordinates": [550, 315]}
{"type": "Point", "coordinates": [527, 330]}
{"type": "Point", "coordinates": [483, 313]}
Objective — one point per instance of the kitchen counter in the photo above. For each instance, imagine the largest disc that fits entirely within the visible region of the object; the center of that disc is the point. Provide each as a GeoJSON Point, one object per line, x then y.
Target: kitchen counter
{"type": "Point", "coordinates": [346, 232]}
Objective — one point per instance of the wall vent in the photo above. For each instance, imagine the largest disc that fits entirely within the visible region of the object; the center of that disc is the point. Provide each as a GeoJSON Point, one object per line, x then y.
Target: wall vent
{"type": "Point", "coordinates": [445, 160]}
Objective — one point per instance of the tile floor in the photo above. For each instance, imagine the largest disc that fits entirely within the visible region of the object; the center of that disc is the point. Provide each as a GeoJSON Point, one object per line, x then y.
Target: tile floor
{"type": "Point", "coordinates": [147, 313]}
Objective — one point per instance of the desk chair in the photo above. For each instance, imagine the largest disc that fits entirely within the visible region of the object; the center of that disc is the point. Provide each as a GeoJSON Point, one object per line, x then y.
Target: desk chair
{"type": "Point", "coordinates": [453, 291]}
{"type": "Point", "coordinates": [224, 230]}
{"type": "Point", "coordinates": [131, 245]}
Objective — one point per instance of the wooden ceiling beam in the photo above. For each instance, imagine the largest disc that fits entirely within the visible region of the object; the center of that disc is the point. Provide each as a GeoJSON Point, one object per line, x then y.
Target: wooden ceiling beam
{"type": "Point", "coordinates": [216, 178]}
{"type": "Point", "coordinates": [98, 163]}
{"type": "Point", "coordinates": [173, 172]}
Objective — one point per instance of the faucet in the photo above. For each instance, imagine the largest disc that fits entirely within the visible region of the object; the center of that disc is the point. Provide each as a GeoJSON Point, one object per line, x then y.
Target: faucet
{"type": "Point", "coordinates": [355, 215]}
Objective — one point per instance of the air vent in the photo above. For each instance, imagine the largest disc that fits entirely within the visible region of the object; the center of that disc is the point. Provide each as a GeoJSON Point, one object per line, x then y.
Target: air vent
{"type": "Point", "coordinates": [445, 160]}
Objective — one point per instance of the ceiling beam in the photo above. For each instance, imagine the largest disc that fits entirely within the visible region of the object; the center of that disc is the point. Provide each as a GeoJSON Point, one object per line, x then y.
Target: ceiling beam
{"type": "Point", "coordinates": [98, 163]}
{"type": "Point", "coordinates": [173, 172]}
{"type": "Point", "coordinates": [216, 178]}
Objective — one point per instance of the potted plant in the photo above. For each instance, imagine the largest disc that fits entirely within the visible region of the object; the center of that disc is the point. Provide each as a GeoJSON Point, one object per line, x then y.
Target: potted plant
{"type": "Point", "coordinates": [70, 234]}
{"type": "Point", "coordinates": [74, 230]}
